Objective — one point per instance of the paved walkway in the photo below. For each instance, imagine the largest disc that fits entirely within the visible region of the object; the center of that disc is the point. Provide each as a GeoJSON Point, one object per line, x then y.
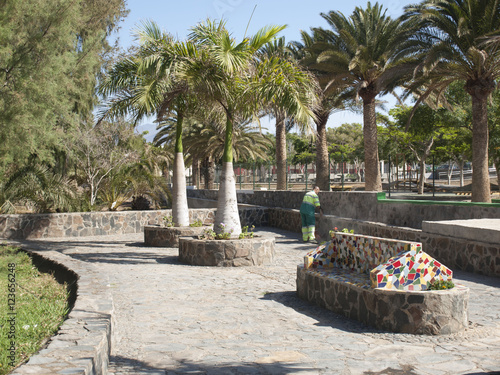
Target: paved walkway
{"type": "Point", "coordinates": [171, 318]}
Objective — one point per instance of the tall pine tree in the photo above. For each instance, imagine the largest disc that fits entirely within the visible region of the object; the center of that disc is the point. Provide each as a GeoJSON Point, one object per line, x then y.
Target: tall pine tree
{"type": "Point", "coordinates": [51, 54]}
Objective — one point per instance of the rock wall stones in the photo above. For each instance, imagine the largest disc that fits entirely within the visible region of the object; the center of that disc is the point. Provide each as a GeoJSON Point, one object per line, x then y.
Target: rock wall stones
{"type": "Point", "coordinates": [158, 236]}
{"type": "Point", "coordinates": [366, 205]}
{"type": "Point", "coordinates": [227, 253]}
{"type": "Point", "coordinates": [468, 255]}
{"type": "Point", "coordinates": [83, 342]}
{"type": "Point", "coordinates": [417, 312]}
{"type": "Point", "coordinates": [78, 224]}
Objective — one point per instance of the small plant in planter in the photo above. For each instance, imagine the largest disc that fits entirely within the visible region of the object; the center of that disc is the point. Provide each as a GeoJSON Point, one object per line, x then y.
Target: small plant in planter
{"type": "Point", "coordinates": [210, 234]}
{"type": "Point", "coordinates": [345, 230]}
{"type": "Point", "coordinates": [168, 221]}
{"type": "Point", "coordinates": [441, 285]}
{"type": "Point", "coordinates": [197, 223]}
{"type": "Point", "coordinates": [245, 233]}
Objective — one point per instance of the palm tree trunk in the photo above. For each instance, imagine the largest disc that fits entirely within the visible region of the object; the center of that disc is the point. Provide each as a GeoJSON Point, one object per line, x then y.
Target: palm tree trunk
{"type": "Point", "coordinates": [322, 167]}
{"type": "Point", "coordinates": [281, 152]}
{"type": "Point", "coordinates": [373, 181]}
{"type": "Point", "coordinates": [180, 213]}
{"type": "Point", "coordinates": [208, 167]}
{"type": "Point", "coordinates": [480, 175]}
{"type": "Point", "coordinates": [196, 171]}
{"type": "Point", "coordinates": [227, 202]}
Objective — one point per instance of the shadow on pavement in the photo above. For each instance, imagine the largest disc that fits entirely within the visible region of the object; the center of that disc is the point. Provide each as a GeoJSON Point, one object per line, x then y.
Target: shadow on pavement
{"type": "Point", "coordinates": [323, 316]}
{"type": "Point", "coordinates": [125, 365]}
{"type": "Point", "coordinates": [478, 279]}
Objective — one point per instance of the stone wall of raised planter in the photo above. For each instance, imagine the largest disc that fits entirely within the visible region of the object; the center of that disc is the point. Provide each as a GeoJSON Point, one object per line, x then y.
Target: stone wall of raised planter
{"type": "Point", "coordinates": [416, 312]}
{"type": "Point", "coordinates": [160, 236]}
{"type": "Point", "coordinates": [255, 251]}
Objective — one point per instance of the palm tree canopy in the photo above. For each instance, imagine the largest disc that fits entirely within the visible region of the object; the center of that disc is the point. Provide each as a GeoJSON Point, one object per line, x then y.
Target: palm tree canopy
{"type": "Point", "coordinates": [284, 85]}
{"type": "Point", "coordinates": [461, 40]}
{"type": "Point", "coordinates": [364, 52]}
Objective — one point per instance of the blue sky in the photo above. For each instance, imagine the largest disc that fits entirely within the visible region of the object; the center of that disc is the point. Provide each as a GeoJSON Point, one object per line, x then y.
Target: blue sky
{"type": "Point", "coordinates": [178, 16]}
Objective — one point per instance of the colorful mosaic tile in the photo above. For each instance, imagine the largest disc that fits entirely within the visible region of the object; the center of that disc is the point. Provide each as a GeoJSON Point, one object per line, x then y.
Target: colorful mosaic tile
{"type": "Point", "coordinates": [390, 264]}
{"type": "Point", "coordinates": [358, 253]}
{"type": "Point", "coordinates": [409, 271]}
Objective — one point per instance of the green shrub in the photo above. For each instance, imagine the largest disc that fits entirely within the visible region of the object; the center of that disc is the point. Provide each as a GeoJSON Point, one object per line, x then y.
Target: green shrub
{"type": "Point", "coordinates": [197, 223]}
{"type": "Point", "coordinates": [441, 285]}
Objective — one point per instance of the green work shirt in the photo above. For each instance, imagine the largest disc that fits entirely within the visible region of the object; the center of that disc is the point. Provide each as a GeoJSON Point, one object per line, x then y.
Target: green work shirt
{"type": "Point", "coordinates": [309, 203]}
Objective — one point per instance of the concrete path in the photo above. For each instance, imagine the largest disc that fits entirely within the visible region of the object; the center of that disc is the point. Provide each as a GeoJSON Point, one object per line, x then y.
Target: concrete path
{"type": "Point", "coordinates": [171, 318]}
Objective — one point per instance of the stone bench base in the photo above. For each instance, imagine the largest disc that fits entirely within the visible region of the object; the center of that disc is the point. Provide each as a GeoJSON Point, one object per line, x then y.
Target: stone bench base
{"type": "Point", "coordinates": [158, 236]}
{"type": "Point", "coordinates": [417, 312]}
{"type": "Point", "coordinates": [227, 253]}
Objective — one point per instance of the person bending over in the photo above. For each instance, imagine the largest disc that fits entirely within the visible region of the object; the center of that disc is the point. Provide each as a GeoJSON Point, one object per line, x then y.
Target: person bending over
{"type": "Point", "coordinates": [307, 211]}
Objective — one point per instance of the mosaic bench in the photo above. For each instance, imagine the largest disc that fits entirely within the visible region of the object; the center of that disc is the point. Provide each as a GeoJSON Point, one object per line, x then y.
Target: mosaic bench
{"type": "Point", "coordinates": [382, 282]}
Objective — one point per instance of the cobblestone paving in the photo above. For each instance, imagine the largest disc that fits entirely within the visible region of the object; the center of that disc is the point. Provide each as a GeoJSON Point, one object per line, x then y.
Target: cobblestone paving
{"type": "Point", "coordinates": [172, 318]}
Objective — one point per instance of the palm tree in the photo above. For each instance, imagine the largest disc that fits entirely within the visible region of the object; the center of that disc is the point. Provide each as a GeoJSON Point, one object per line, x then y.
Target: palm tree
{"type": "Point", "coordinates": [37, 187]}
{"type": "Point", "coordinates": [146, 83]}
{"type": "Point", "coordinates": [330, 98]}
{"type": "Point", "coordinates": [299, 88]}
{"type": "Point", "coordinates": [248, 143]}
{"type": "Point", "coordinates": [222, 73]}
{"type": "Point", "coordinates": [365, 57]}
{"type": "Point", "coordinates": [460, 42]}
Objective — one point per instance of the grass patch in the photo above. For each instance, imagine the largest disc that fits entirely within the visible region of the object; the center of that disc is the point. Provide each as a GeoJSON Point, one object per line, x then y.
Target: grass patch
{"type": "Point", "coordinates": [32, 307]}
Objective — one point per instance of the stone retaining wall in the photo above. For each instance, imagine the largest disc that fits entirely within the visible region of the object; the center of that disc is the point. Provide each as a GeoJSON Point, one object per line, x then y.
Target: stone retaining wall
{"type": "Point", "coordinates": [366, 205]}
{"type": "Point", "coordinates": [78, 224]}
{"type": "Point", "coordinates": [416, 312]}
{"type": "Point", "coordinates": [83, 342]}
{"type": "Point", "coordinates": [475, 256]}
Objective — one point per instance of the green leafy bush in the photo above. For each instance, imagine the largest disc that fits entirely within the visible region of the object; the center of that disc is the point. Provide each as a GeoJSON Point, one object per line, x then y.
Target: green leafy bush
{"type": "Point", "coordinates": [168, 221]}
{"type": "Point", "coordinates": [245, 233]}
{"type": "Point", "coordinates": [197, 223]}
{"type": "Point", "coordinates": [210, 234]}
{"type": "Point", "coordinates": [441, 285]}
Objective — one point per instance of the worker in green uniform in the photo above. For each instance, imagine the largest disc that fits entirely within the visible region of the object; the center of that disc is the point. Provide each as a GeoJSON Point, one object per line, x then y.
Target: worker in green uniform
{"type": "Point", "coordinates": [307, 211]}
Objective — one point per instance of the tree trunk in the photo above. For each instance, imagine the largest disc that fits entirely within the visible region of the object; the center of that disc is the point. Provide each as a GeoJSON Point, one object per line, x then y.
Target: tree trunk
{"type": "Point", "coordinates": [227, 203]}
{"type": "Point", "coordinates": [208, 172]}
{"type": "Point", "coordinates": [450, 171]}
{"type": "Point", "coordinates": [481, 175]}
{"type": "Point", "coordinates": [421, 182]}
{"type": "Point", "coordinates": [322, 167]}
{"type": "Point", "coordinates": [180, 213]}
{"type": "Point", "coordinates": [196, 171]}
{"type": "Point", "coordinates": [479, 91]}
{"type": "Point", "coordinates": [373, 181]}
{"type": "Point", "coordinates": [497, 167]}
{"type": "Point", "coordinates": [280, 152]}
{"type": "Point", "coordinates": [461, 165]}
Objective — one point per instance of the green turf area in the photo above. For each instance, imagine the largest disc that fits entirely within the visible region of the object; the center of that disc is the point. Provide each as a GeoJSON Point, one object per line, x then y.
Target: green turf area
{"type": "Point", "coordinates": [32, 307]}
